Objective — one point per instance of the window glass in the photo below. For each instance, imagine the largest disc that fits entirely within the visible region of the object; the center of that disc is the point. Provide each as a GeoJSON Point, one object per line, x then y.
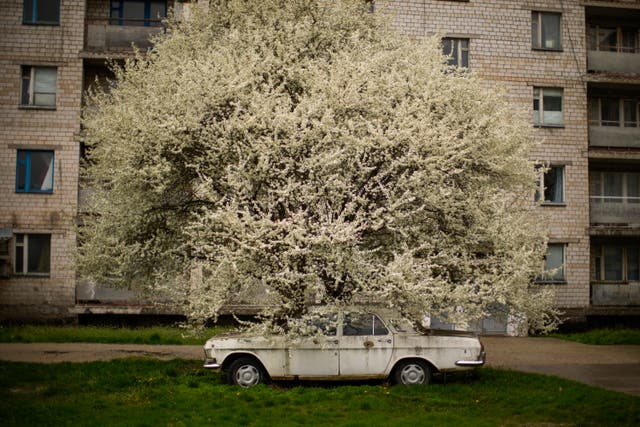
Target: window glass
{"type": "Point", "coordinates": [34, 171]}
{"type": "Point", "coordinates": [553, 185]}
{"type": "Point", "coordinates": [44, 86]}
{"type": "Point", "coordinates": [41, 11]}
{"type": "Point", "coordinates": [610, 110]}
{"type": "Point", "coordinates": [39, 253]}
{"type": "Point", "coordinates": [551, 30]}
{"type": "Point", "coordinates": [363, 324]}
{"type": "Point", "coordinates": [612, 187]}
{"type": "Point", "coordinates": [545, 30]}
{"type": "Point", "coordinates": [596, 187]}
{"type": "Point", "coordinates": [613, 263]}
{"type": "Point", "coordinates": [630, 112]}
{"type": "Point", "coordinates": [607, 39]}
{"type": "Point", "coordinates": [552, 106]}
{"type": "Point", "coordinates": [633, 263]}
{"type": "Point", "coordinates": [33, 253]}
{"type": "Point", "coordinates": [629, 37]}
{"type": "Point", "coordinates": [633, 188]}
{"type": "Point", "coordinates": [157, 10]}
{"type": "Point", "coordinates": [554, 262]}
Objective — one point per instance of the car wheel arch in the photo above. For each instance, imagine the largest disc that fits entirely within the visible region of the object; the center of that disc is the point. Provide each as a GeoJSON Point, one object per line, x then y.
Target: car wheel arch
{"type": "Point", "coordinates": [235, 356]}
{"type": "Point", "coordinates": [398, 362]}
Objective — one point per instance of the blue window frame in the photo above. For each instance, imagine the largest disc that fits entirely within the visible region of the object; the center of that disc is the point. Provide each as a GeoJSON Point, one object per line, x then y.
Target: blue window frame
{"type": "Point", "coordinates": [43, 12]}
{"type": "Point", "coordinates": [34, 171]}
{"type": "Point", "coordinates": [137, 12]}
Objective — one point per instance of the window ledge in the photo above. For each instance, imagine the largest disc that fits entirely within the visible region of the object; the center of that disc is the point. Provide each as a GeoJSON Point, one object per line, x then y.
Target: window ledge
{"type": "Point", "coordinates": [550, 282]}
{"type": "Point", "coordinates": [548, 126]}
{"type": "Point", "coordinates": [46, 24]}
{"type": "Point", "coordinates": [610, 282]}
{"type": "Point", "coordinates": [33, 192]}
{"type": "Point", "coordinates": [36, 107]}
{"type": "Point", "coordinates": [551, 204]}
{"type": "Point", "coordinates": [547, 49]}
{"type": "Point", "coordinates": [31, 276]}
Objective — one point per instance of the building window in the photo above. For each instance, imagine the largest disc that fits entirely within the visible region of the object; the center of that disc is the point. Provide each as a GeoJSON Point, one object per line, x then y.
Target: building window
{"type": "Point", "coordinates": [622, 188]}
{"type": "Point", "coordinates": [614, 39]}
{"type": "Point", "coordinates": [619, 112]}
{"type": "Point", "coordinates": [34, 171]}
{"type": "Point", "coordinates": [547, 106]}
{"type": "Point", "coordinates": [551, 185]}
{"type": "Point", "coordinates": [39, 86]}
{"type": "Point", "coordinates": [617, 263]}
{"type": "Point", "coordinates": [46, 12]}
{"type": "Point", "coordinates": [138, 12]}
{"type": "Point", "coordinates": [33, 254]}
{"type": "Point", "coordinates": [554, 264]}
{"type": "Point", "coordinates": [546, 30]}
{"type": "Point", "coordinates": [457, 51]}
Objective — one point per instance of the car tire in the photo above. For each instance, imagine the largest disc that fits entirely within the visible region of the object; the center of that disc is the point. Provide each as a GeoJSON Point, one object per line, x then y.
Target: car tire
{"type": "Point", "coordinates": [410, 372]}
{"type": "Point", "coordinates": [246, 372]}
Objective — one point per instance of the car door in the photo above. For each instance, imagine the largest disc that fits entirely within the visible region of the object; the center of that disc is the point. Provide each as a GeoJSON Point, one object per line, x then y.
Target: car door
{"type": "Point", "coordinates": [315, 356]}
{"type": "Point", "coordinates": [366, 345]}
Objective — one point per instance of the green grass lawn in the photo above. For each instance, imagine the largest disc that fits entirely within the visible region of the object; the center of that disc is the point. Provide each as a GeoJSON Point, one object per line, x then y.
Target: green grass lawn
{"type": "Point", "coordinates": [141, 392]}
{"type": "Point", "coordinates": [101, 334]}
{"type": "Point", "coordinates": [604, 336]}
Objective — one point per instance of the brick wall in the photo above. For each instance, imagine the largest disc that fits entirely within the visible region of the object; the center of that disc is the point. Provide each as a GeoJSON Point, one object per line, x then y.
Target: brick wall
{"type": "Point", "coordinates": [52, 129]}
{"type": "Point", "coordinates": [501, 52]}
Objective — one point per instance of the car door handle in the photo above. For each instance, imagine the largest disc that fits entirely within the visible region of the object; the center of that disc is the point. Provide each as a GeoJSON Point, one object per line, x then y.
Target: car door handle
{"type": "Point", "coordinates": [388, 340]}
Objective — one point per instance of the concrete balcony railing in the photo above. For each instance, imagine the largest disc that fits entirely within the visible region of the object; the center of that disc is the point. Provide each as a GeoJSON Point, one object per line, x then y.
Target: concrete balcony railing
{"type": "Point", "coordinates": [613, 62]}
{"type": "Point", "coordinates": [614, 210]}
{"type": "Point", "coordinates": [105, 34]}
{"type": "Point", "coordinates": [614, 136]}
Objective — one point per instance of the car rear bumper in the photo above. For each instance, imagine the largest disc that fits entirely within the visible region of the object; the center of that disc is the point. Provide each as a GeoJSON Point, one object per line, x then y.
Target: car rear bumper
{"type": "Point", "coordinates": [472, 363]}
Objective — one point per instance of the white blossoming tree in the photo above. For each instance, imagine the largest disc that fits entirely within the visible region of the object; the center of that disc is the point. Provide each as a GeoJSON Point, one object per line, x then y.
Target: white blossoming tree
{"type": "Point", "coordinates": [303, 148]}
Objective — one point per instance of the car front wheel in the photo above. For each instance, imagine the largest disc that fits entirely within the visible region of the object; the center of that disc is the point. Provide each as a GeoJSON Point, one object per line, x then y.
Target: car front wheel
{"type": "Point", "coordinates": [246, 372]}
{"type": "Point", "coordinates": [409, 372]}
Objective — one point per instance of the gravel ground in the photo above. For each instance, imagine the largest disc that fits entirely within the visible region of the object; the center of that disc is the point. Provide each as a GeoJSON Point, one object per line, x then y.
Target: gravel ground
{"type": "Point", "coordinates": [616, 367]}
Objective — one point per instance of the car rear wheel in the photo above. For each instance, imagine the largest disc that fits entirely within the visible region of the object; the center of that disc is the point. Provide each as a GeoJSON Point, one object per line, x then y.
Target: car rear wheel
{"type": "Point", "coordinates": [246, 372]}
{"type": "Point", "coordinates": [409, 372]}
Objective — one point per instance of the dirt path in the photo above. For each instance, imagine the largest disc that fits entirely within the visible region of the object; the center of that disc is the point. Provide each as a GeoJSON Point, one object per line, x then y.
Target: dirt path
{"type": "Point", "coordinates": [613, 367]}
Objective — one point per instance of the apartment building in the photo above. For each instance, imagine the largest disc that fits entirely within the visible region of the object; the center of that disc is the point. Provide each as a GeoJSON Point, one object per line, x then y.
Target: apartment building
{"type": "Point", "coordinates": [573, 64]}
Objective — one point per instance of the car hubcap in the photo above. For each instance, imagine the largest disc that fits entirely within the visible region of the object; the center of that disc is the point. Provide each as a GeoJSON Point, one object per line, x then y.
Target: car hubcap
{"type": "Point", "coordinates": [412, 374]}
{"type": "Point", "coordinates": [247, 375]}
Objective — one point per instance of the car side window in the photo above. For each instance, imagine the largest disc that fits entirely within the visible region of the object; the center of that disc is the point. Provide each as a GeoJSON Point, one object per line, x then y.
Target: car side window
{"type": "Point", "coordinates": [326, 325]}
{"type": "Point", "coordinates": [363, 324]}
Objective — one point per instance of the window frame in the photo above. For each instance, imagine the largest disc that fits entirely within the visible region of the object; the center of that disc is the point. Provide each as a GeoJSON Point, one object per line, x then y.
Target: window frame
{"type": "Point", "coordinates": [540, 195]}
{"type": "Point", "coordinates": [595, 112]}
{"type": "Point", "coordinates": [459, 49]}
{"type": "Point", "coordinates": [597, 189]}
{"type": "Point", "coordinates": [33, 19]}
{"type": "Point", "coordinates": [537, 28]}
{"type": "Point", "coordinates": [599, 261]}
{"type": "Point", "coordinates": [28, 81]}
{"type": "Point", "coordinates": [145, 21]}
{"type": "Point", "coordinates": [544, 278]}
{"type": "Point", "coordinates": [24, 248]}
{"type": "Point", "coordinates": [538, 94]}
{"type": "Point", "coordinates": [594, 33]}
{"type": "Point", "coordinates": [27, 165]}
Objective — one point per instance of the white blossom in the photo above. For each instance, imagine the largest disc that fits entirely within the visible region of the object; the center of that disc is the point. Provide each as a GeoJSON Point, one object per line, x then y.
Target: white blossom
{"type": "Point", "coordinates": [304, 152]}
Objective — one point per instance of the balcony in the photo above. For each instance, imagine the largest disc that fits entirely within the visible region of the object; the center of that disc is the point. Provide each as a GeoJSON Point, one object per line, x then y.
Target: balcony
{"type": "Point", "coordinates": [614, 136]}
{"type": "Point", "coordinates": [613, 62]}
{"type": "Point", "coordinates": [105, 35]}
{"type": "Point", "coordinates": [615, 210]}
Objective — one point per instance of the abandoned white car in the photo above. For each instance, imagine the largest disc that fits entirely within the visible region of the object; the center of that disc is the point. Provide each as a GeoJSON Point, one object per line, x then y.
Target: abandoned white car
{"type": "Point", "coordinates": [352, 346]}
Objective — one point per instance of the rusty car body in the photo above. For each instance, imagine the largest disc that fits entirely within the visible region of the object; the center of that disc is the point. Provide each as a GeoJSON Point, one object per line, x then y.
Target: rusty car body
{"type": "Point", "coordinates": [367, 345]}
